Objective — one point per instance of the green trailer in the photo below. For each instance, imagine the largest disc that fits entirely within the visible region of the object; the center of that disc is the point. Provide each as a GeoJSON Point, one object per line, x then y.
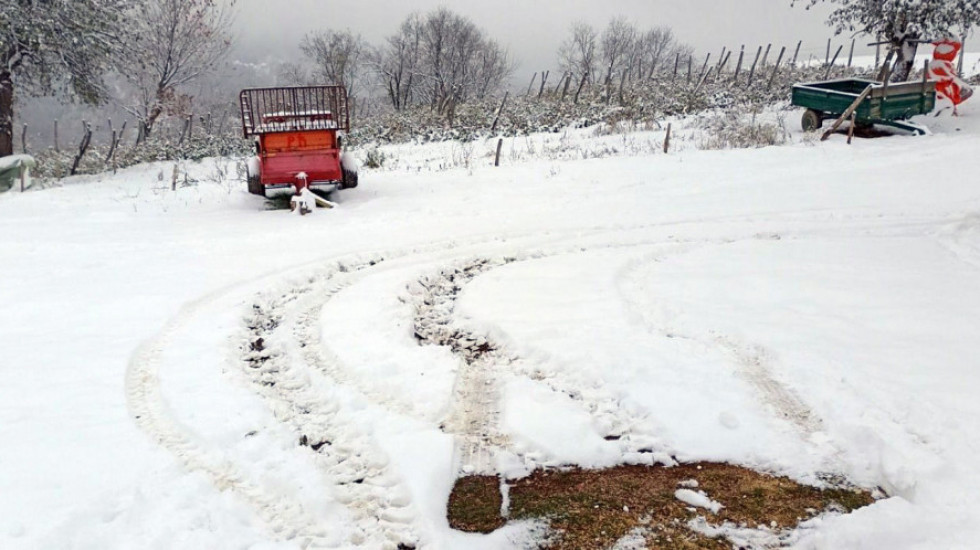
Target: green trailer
{"type": "Point", "coordinates": [887, 104]}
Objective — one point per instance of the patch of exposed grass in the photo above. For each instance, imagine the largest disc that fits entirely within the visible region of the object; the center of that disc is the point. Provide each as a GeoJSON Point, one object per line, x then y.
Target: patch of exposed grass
{"type": "Point", "coordinates": [475, 504]}
{"type": "Point", "coordinates": [595, 508]}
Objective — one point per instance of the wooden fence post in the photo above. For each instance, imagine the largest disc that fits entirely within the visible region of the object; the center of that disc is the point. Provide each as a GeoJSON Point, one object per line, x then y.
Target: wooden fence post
{"type": "Point", "coordinates": [581, 84]}
{"type": "Point", "coordinates": [560, 82]}
{"type": "Point", "coordinates": [775, 70]}
{"type": "Point", "coordinates": [752, 71]}
{"type": "Point", "coordinates": [796, 55]}
{"type": "Point", "coordinates": [925, 84]}
{"type": "Point", "coordinates": [82, 147]}
{"type": "Point", "coordinates": [183, 133]}
{"type": "Point", "coordinates": [724, 62]}
{"type": "Point", "coordinates": [765, 56]}
{"type": "Point", "coordinates": [496, 119]}
{"type": "Point", "coordinates": [23, 139]}
{"type": "Point", "coordinates": [677, 61]}
{"type": "Point", "coordinates": [833, 61]}
{"type": "Point", "coordinates": [690, 65]}
{"type": "Point", "coordinates": [827, 60]}
{"type": "Point", "coordinates": [704, 67]}
{"type": "Point", "coordinates": [886, 69]}
{"type": "Point", "coordinates": [738, 68]}
{"type": "Point", "coordinates": [114, 145]}
{"type": "Point", "coordinates": [703, 79]}
{"type": "Point", "coordinates": [544, 80]}
{"type": "Point", "coordinates": [500, 144]}
{"type": "Point", "coordinates": [531, 85]}
{"type": "Point", "coordinates": [667, 139]}
{"type": "Point", "coordinates": [850, 56]}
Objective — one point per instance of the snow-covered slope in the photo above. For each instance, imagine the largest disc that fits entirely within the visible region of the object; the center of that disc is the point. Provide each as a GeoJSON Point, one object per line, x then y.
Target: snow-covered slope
{"type": "Point", "coordinates": [807, 310]}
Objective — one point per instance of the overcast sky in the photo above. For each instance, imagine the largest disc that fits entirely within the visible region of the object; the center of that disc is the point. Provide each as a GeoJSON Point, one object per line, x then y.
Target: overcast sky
{"type": "Point", "coordinates": [532, 30]}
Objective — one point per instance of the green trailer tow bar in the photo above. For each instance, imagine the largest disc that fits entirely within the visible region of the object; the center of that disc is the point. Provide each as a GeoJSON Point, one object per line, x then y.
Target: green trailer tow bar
{"type": "Point", "coordinates": [887, 104]}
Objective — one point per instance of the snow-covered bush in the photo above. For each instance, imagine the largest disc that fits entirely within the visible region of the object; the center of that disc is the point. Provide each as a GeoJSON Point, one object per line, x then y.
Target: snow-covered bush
{"type": "Point", "coordinates": [733, 131]}
{"type": "Point", "coordinates": [56, 164]}
{"type": "Point", "coordinates": [374, 158]}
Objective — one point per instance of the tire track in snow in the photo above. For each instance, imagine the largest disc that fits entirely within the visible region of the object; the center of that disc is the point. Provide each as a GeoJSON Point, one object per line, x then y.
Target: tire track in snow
{"type": "Point", "coordinates": [754, 361]}
{"type": "Point", "coordinates": [283, 368]}
{"type": "Point", "coordinates": [475, 409]}
{"type": "Point", "coordinates": [962, 239]}
{"type": "Point", "coordinates": [286, 519]}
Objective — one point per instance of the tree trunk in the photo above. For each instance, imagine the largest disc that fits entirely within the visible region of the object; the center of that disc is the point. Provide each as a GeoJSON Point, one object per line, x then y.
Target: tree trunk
{"type": "Point", "coordinates": [151, 119]}
{"type": "Point", "coordinates": [6, 114]}
{"type": "Point", "coordinates": [904, 62]}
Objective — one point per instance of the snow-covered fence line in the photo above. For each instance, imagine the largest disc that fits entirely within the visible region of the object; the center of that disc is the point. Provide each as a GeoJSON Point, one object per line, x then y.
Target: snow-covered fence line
{"type": "Point", "coordinates": [745, 78]}
{"type": "Point", "coordinates": [191, 138]}
{"type": "Point", "coordinates": [649, 101]}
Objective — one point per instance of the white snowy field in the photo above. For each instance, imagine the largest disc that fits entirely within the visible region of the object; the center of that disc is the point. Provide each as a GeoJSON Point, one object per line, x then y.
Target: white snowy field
{"type": "Point", "coordinates": [807, 310]}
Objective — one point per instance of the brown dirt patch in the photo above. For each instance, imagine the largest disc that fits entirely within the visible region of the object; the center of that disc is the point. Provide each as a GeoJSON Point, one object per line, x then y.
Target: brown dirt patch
{"type": "Point", "coordinates": [475, 504]}
{"type": "Point", "coordinates": [595, 508]}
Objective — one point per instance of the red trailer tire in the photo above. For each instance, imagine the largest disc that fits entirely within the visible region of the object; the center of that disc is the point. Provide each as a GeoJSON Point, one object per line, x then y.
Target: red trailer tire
{"type": "Point", "coordinates": [255, 186]}
{"type": "Point", "coordinates": [350, 180]}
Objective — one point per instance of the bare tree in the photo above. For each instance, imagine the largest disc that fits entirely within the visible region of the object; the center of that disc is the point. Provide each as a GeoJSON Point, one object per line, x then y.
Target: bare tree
{"type": "Point", "coordinates": [52, 46]}
{"type": "Point", "coordinates": [577, 53]}
{"type": "Point", "coordinates": [397, 62]}
{"type": "Point", "coordinates": [441, 59]}
{"type": "Point", "coordinates": [494, 66]}
{"type": "Point", "coordinates": [653, 48]}
{"type": "Point", "coordinates": [173, 43]}
{"type": "Point", "coordinates": [292, 74]}
{"type": "Point", "coordinates": [617, 43]}
{"type": "Point", "coordinates": [338, 58]}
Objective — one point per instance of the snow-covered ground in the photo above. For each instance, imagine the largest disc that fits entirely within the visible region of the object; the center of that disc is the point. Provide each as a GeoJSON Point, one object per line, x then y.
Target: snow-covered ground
{"type": "Point", "coordinates": [809, 310]}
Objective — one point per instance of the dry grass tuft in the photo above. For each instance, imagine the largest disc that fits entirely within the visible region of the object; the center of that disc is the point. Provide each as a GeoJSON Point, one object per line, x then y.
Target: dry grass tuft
{"type": "Point", "coordinates": [595, 508]}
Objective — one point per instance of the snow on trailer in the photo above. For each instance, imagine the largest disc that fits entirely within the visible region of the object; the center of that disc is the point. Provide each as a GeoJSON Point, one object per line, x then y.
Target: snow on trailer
{"type": "Point", "coordinates": [298, 132]}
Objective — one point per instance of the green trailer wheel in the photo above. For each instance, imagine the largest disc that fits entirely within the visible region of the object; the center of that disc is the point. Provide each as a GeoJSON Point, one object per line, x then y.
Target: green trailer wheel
{"type": "Point", "coordinates": [812, 120]}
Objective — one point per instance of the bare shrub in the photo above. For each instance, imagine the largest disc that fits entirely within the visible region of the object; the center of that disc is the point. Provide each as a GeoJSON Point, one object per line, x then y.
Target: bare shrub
{"type": "Point", "coordinates": [733, 131]}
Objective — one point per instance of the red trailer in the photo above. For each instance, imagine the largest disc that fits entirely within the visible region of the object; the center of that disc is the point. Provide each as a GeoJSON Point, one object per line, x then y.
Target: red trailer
{"type": "Point", "coordinates": [298, 133]}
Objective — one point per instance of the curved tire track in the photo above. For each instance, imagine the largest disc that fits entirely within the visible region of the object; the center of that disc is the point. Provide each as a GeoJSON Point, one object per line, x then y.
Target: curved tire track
{"type": "Point", "coordinates": [285, 389]}
{"type": "Point", "coordinates": [295, 379]}
{"type": "Point", "coordinates": [287, 520]}
{"type": "Point", "coordinates": [475, 410]}
{"type": "Point", "coordinates": [754, 361]}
